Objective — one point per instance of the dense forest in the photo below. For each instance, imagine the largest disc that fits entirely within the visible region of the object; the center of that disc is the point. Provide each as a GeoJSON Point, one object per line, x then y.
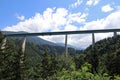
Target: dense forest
{"type": "Point", "coordinates": [98, 62]}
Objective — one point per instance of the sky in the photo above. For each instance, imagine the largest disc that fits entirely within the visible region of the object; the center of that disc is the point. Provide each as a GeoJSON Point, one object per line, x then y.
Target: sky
{"type": "Point", "coordinates": [61, 15]}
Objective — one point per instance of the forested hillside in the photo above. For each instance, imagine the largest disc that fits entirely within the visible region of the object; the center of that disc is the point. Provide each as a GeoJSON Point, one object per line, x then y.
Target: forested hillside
{"type": "Point", "coordinates": [101, 62]}
{"type": "Point", "coordinates": [105, 55]}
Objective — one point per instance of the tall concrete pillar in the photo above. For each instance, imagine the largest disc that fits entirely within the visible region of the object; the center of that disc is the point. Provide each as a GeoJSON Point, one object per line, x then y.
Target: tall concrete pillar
{"type": "Point", "coordinates": [23, 50]}
{"type": "Point", "coordinates": [22, 59]}
{"type": "Point", "coordinates": [4, 42]}
{"type": "Point", "coordinates": [115, 34]}
{"type": "Point", "coordinates": [93, 39]}
{"type": "Point", "coordinates": [23, 45]}
{"type": "Point", "coordinates": [66, 48]}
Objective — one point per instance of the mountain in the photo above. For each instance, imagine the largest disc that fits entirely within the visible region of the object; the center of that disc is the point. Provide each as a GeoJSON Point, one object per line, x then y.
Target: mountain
{"type": "Point", "coordinates": [40, 41]}
{"type": "Point", "coordinates": [33, 39]}
{"type": "Point", "coordinates": [71, 46]}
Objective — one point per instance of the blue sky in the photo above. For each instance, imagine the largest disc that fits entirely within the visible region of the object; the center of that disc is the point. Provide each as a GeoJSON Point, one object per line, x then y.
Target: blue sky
{"type": "Point", "coordinates": [28, 8]}
{"type": "Point", "coordinates": [60, 15]}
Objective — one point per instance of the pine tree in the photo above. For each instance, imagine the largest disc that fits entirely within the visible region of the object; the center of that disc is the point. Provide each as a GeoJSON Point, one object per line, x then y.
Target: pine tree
{"type": "Point", "coordinates": [7, 60]}
{"type": "Point", "coordinates": [112, 63]}
{"type": "Point", "coordinates": [93, 58]}
{"type": "Point", "coordinates": [49, 66]}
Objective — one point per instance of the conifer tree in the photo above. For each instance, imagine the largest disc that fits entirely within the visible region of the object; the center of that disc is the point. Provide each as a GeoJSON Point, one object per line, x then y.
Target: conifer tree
{"type": "Point", "coordinates": [49, 66]}
{"type": "Point", "coordinates": [8, 60]}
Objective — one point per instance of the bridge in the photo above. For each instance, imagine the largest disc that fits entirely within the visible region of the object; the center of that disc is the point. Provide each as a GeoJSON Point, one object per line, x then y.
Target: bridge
{"type": "Point", "coordinates": [66, 33]}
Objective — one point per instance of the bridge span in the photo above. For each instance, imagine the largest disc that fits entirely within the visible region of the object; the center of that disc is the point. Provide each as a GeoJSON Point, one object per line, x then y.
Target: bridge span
{"type": "Point", "coordinates": [66, 33]}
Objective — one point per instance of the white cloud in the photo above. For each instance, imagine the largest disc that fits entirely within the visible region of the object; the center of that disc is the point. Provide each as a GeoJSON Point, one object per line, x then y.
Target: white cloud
{"type": "Point", "coordinates": [51, 20]}
{"type": "Point", "coordinates": [61, 19]}
{"type": "Point", "coordinates": [20, 17]}
{"type": "Point", "coordinates": [92, 2]}
{"type": "Point", "coordinates": [76, 4]}
{"type": "Point", "coordinates": [107, 8]}
{"type": "Point", "coordinates": [113, 20]}
{"type": "Point", "coordinates": [76, 17]}
{"type": "Point", "coordinates": [110, 22]}
{"type": "Point", "coordinates": [48, 21]}
{"type": "Point", "coordinates": [70, 27]}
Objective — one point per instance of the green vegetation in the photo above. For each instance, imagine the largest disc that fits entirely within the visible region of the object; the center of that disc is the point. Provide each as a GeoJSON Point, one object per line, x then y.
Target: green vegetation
{"type": "Point", "coordinates": [101, 62]}
{"type": "Point", "coordinates": [105, 56]}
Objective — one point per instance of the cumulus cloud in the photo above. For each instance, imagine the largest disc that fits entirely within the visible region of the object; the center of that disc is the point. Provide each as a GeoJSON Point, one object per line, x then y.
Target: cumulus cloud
{"type": "Point", "coordinates": [107, 8]}
{"type": "Point", "coordinates": [51, 20]}
{"type": "Point", "coordinates": [61, 19]}
{"type": "Point", "coordinates": [20, 17]}
{"type": "Point", "coordinates": [76, 17]}
{"type": "Point", "coordinates": [42, 22]}
{"type": "Point", "coordinates": [76, 4]}
{"type": "Point", "coordinates": [92, 2]}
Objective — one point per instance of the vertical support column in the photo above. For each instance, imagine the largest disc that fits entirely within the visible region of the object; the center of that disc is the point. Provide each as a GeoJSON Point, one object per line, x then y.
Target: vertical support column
{"type": "Point", "coordinates": [23, 44]}
{"type": "Point", "coordinates": [115, 34]}
{"type": "Point", "coordinates": [93, 39]}
{"type": "Point", "coordinates": [4, 42]}
{"type": "Point", "coordinates": [66, 49]}
{"type": "Point", "coordinates": [22, 59]}
{"type": "Point", "coordinates": [22, 50]}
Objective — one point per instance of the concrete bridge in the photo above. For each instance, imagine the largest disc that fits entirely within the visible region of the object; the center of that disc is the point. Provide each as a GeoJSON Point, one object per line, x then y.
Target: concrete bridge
{"type": "Point", "coordinates": [66, 33]}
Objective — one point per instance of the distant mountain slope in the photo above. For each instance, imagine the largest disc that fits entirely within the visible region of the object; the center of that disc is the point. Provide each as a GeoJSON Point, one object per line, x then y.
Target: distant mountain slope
{"type": "Point", "coordinates": [41, 41]}
{"type": "Point", "coordinates": [33, 39]}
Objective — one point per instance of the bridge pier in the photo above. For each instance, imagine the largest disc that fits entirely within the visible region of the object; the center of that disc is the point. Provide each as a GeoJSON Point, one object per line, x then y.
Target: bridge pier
{"type": "Point", "coordinates": [22, 50]}
{"type": "Point", "coordinates": [22, 58]}
{"type": "Point", "coordinates": [23, 44]}
{"type": "Point", "coordinates": [4, 42]}
{"type": "Point", "coordinates": [66, 48]}
{"type": "Point", "coordinates": [115, 34]}
{"type": "Point", "coordinates": [93, 39]}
